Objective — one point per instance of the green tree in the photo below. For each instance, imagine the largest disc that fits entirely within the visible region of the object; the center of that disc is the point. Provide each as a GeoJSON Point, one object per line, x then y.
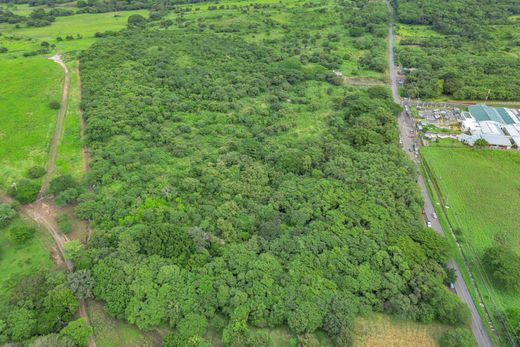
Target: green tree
{"type": "Point", "coordinates": [7, 213]}
{"type": "Point", "coordinates": [21, 323]}
{"type": "Point", "coordinates": [504, 265]}
{"type": "Point", "coordinates": [24, 191]}
{"type": "Point", "coordinates": [136, 19]}
{"type": "Point", "coordinates": [55, 105]}
{"type": "Point", "coordinates": [77, 331]}
{"type": "Point", "coordinates": [73, 249]}
{"type": "Point", "coordinates": [81, 283]}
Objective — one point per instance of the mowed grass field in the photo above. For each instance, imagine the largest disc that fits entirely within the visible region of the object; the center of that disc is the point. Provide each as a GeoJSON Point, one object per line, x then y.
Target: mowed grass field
{"type": "Point", "coordinates": [482, 190]}
{"type": "Point", "coordinates": [382, 331]}
{"type": "Point", "coordinates": [19, 261]}
{"type": "Point", "coordinates": [26, 120]}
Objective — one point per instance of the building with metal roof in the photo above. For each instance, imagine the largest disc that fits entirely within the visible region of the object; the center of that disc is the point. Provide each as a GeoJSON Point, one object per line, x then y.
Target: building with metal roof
{"type": "Point", "coordinates": [482, 113]}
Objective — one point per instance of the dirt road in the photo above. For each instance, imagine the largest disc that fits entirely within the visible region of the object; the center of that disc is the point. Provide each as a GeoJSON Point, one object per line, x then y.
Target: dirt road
{"type": "Point", "coordinates": [58, 127]}
{"type": "Point", "coordinates": [406, 129]}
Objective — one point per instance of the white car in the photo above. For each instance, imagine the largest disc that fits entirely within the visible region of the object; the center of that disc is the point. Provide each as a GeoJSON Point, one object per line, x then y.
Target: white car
{"type": "Point", "coordinates": [429, 224]}
{"type": "Point", "coordinates": [434, 215]}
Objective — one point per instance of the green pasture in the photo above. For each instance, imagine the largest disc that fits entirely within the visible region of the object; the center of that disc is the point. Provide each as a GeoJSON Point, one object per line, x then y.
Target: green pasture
{"type": "Point", "coordinates": [28, 85]}
{"type": "Point", "coordinates": [481, 189]}
{"type": "Point", "coordinates": [69, 160]}
{"type": "Point", "coordinates": [19, 261]}
{"type": "Point", "coordinates": [84, 25]}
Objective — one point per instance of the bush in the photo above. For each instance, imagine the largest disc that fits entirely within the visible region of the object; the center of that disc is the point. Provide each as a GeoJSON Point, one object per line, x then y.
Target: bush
{"type": "Point", "coordinates": [3, 49]}
{"type": "Point", "coordinates": [65, 224]}
{"type": "Point", "coordinates": [24, 191]}
{"type": "Point", "coordinates": [458, 337]}
{"type": "Point", "coordinates": [68, 196]}
{"type": "Point", "coordinates": [36, 172]}
{"type": "Point", "coordinates": [55, 105]}
{"type": "Point", "coordinates": [136, 19]}
{"type": "Point", "coordinates": [7, 214]}
{"type": "Point", "coordinates": [62, 183]}
{"type": "Point", "coordinates": [19, 234]}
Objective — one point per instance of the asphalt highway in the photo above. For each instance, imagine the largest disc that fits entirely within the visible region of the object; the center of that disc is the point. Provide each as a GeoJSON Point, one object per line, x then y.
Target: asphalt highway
{"type": "Point", "coordinates": [408, 139]}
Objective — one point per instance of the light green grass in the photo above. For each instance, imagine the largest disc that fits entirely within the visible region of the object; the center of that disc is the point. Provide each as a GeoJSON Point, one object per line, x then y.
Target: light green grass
{"type": "Point", "coordinates": [110, 332]}
{"type": "Point", "coordinates": [19, 261]}
{"type": "Point", "coordinates": [482, 190]}
{"type": "Point", "coordinates": [28, 85]}
{"type": "Point", "coordinates": [85, 25]}
{"type": "Point", "coordinates": [381, 331]}
{"type": "Point", "coordinates": [412, 30]}
{"type": "Point", "coordinates": [69, 160]}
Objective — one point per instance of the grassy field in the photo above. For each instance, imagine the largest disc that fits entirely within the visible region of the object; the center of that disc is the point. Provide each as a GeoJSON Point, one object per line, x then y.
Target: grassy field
{"type": "Point", "coordinates": [28, 85]}
{"type": "Point", "coordinates": [481, 188]}
{"type": "Point", "coordinates": [17, 262]}
{"type": "Point", "coordinates": [69, 160]}
{"type": "Point", "coordinates": [22, 39]}
{"type": "Point", "coordinates": [110, 332]}
{"type": "Point", "coordinates": [383, 331]}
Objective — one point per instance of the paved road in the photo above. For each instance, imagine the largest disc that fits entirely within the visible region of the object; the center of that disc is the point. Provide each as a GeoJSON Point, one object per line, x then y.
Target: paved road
{"type": "Point", "coordinates": [408, 138]}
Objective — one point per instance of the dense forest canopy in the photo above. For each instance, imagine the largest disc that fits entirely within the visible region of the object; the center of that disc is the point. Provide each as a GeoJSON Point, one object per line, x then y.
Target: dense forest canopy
{"type": "Point", "coordinates": [239, 181]}
{"type": "Point", "coordinates": [473, 53]}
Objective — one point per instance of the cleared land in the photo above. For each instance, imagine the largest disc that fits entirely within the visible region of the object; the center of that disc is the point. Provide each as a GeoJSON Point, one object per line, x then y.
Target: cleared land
{"type": "Point", "coordinates": [481, 188]}
{"type": "Point", "coordinates": [382, 331]}
{"type": "Point", "coordinates": [28, 85]}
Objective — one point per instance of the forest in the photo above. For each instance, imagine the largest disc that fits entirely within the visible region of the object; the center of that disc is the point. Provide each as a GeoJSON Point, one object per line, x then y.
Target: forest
{"type": "Point", "coordinates": [226, 192]}
{"type": "Point", "coordinates": [470, 54]}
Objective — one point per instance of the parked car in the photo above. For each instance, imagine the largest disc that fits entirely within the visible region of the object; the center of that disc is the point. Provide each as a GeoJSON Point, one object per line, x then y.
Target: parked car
{"type": "Point", "coordinates": [434, 215]}
{"type": "Point", "coordinates": [429, 224]}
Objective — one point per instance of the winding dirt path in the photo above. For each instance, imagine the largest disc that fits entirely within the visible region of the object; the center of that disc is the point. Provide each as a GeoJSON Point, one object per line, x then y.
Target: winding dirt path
{"type": "Point", "coordinates": [58, 128]}
{"type": "Point", "coordinates": [43, 211]}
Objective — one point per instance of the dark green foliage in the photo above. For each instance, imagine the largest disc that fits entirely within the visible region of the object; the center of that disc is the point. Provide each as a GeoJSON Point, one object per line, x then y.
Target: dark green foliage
{"type": "Point", "coordinates": [458, 337]}
{"type": "Point", "coordinates": [77, 331]}
{"type": "Point", "coordinates": [55, 105]}
{"type": "Point", "coordinates": [65, 224]}
{"type": "Point", "coordinates": [7, 213]}
{"type": "Point", "coordinates": [66, 189]}
{"type": "Point", "coordinates": [208, 202]}
{"type": "Point", "coordinates": [136, 19]}
{"type": "Point", "coordinates": [36, 172]}
{"type": "Point", "coordinates": [40, 304]}
{"type": "Point", "coordinates": [24, 191]}
{"type": "Point", "coordinates": [19, 234]}
{"type": "Point", "coordinates": [472, 61]}
{"type": "Point", "coordinates": [81, 283]}
{"type": "Point", "coordinates": [504, 265]}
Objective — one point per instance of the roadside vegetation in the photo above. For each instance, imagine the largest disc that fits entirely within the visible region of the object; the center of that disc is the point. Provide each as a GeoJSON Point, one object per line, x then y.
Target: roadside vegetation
{"type": "Point", "coordinates": [483, 201]}
{"type": "Point", "coordinates": [451, 50]}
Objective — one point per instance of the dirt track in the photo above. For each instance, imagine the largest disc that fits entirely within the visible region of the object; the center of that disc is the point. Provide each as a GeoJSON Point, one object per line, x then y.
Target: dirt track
{"type": "Point", "coordinates": [58, 128]}
{"type": "Point", "coordinates": [43, 211]}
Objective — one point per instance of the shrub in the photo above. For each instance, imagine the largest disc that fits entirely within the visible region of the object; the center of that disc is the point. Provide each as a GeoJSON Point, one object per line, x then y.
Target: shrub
{"type": "Point", "coordinates": [19, 234]}
{"type": "Point", "coordinates": [62, 183]}
{"type": "Point", "coordinates": [55, 105]}
{"type": "Point", "coordinates": [36, 172]}
{"type": "Point", "coordinates": [458, 337]}
{"type": "Point", "coordinates": [65, 224]}
{"type": "Point", "coordinates": [136, 19]}
{"type": "Point", "coordinates": [24, 191]}
{"type": "Point", "coordinates": [69, 196]}
{"type": "Point", "coordinates": [7, 214]}
{"type": "Point", "coordinates": [3, 49]}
